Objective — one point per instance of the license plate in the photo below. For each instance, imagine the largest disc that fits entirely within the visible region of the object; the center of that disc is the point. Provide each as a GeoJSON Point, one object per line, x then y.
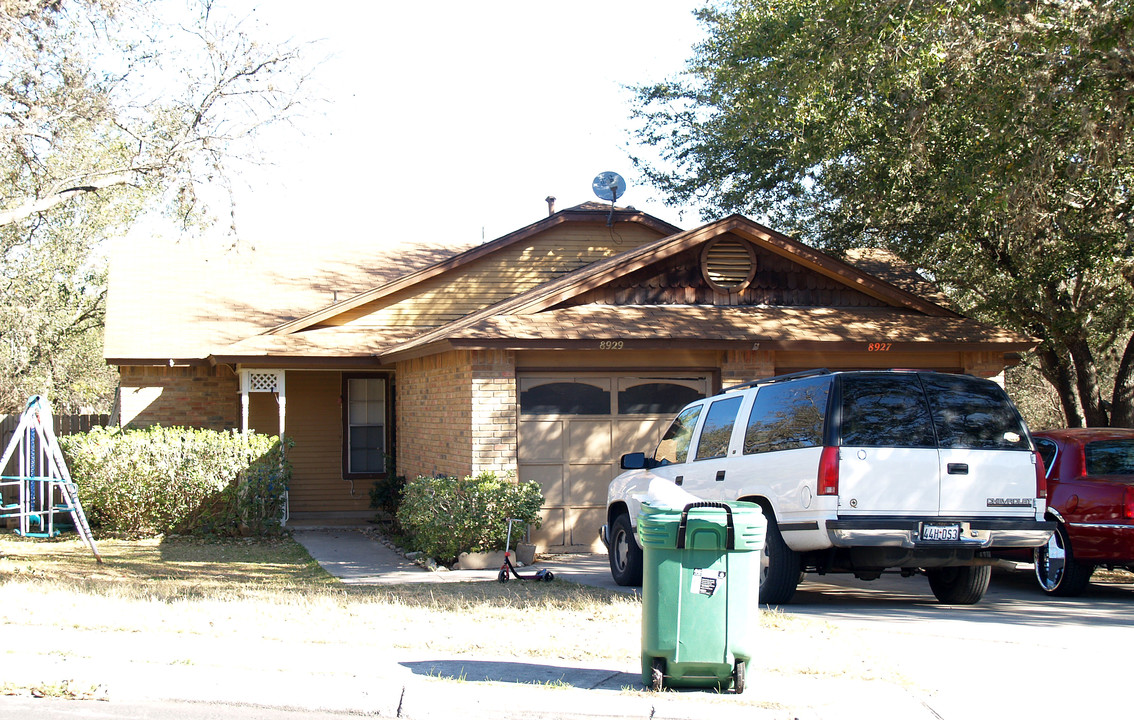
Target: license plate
{"type": "Point", "coordinates": [940, 533]}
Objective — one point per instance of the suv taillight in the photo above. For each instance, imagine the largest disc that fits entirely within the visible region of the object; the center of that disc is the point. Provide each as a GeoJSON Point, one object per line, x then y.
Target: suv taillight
{"type": "Point", "coordinates": [1128, 503]}
{"type": "Point", "coordinates": [1041, 476]}
{"type": "Point", "coordinates": [829, 471]}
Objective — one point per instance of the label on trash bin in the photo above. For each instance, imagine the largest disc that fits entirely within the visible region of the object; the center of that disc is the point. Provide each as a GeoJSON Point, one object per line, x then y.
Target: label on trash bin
{"type": "Point", "coordinates": [707, 582]}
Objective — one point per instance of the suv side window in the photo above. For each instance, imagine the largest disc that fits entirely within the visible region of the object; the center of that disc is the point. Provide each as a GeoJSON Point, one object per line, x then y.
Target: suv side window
{"type": "Point", "coordinates": [718, 428]}
{"type": "Point", "coordinates": [787, 416]}
{"type": "Point", "coordinates": [885, 411]}
{"type": "Point", "coordinates": [674, 445]}
{"type": "Point", "coordinates": [972, 413]}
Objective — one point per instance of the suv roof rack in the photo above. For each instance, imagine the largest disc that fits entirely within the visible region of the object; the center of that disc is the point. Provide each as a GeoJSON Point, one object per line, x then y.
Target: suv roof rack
{"type": "Point", "coordinates": [779, 378]}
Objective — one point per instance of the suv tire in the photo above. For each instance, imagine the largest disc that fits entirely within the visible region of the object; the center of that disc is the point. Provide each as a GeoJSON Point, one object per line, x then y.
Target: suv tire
{"type": "Point", "coordinates": [1057, 570]}
{"type": "Point", "coordinates": [959, 585]}
{"type": "Point", "coordinates": [625, 555]}
{"type": "Point", "coordinates": [779, 567]}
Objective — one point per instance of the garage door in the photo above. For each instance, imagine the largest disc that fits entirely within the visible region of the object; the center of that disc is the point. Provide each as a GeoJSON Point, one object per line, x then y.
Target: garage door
{"type": "Point", "coordinates": [573, 430]}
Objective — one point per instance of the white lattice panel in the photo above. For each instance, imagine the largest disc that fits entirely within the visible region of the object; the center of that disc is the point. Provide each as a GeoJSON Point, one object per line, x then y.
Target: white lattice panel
{"type": "Point", "coordinates": [263, 381]}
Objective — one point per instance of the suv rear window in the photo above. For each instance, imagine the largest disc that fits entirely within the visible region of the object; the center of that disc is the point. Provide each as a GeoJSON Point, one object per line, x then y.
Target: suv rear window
{"type": "Point", "coordinates": [787, 416]}
{"type": "Point", "coordinates": [973, 413]}
{"type": "Point", "coordinates": [885, 411]}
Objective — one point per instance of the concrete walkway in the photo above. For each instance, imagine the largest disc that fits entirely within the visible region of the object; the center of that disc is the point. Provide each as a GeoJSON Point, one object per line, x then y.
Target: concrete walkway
{"type": "Point", "coordinates": [357, 558]}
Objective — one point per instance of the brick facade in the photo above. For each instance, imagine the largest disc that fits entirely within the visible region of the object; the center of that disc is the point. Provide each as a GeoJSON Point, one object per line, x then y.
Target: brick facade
{"type": "Point", "coordinates": [741, 366]}
{"type": "Point", "coordinates": [194, 396]}
{"type": "Point", "coordinates": [456, 413]}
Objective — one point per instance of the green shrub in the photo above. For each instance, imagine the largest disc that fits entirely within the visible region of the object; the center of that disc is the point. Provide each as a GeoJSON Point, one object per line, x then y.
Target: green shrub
{"type": "Point", "coordinates": [179, 480]}
{"type": "Point", "coordinates": [446, 516]}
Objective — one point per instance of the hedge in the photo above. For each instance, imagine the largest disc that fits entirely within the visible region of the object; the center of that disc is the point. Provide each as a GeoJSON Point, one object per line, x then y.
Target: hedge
{"type": "Point", "coordinates": [179, 480]}
{"type": "Point", "coordinates": [446, 516]}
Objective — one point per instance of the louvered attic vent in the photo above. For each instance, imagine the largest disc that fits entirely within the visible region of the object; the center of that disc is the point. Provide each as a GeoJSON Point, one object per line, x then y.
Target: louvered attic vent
{"type": "Point", "coordinates": [728, 264]}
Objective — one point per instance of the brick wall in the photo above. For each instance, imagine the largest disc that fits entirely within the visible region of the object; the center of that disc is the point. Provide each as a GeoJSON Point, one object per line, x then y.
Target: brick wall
{"type": "Point", "coordinates": [741, 366]}
{"type": "Point", "coordinates": [195, 396]}
{"type": "Point", "coordinates": [456, 413]}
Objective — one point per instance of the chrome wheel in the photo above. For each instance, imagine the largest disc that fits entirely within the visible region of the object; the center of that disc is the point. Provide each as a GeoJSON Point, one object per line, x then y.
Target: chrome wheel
{"type": "Point", "coordinates": [1057, 570]}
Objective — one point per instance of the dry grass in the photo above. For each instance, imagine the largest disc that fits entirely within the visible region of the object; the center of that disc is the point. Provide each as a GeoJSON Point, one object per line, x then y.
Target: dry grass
{"type": "Point", "coordinates": [238, 605]}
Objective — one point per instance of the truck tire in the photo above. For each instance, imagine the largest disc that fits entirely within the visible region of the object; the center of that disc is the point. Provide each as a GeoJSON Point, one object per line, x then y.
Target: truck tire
{"type": "Point", "coordinates": [624, 553]}
{"type": "Point", "coordinates": [780, 571]}
{"type": "Point", "coordinates": [959, 585]}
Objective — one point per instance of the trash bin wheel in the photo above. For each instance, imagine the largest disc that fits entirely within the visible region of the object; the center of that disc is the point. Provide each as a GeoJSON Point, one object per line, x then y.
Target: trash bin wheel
{"type": "Point", "coordinates": [738, 672]}
{"type": "Point", "coordinates": [657, 674]}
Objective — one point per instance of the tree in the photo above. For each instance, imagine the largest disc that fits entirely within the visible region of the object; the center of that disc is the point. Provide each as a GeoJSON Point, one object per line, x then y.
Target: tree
{"type": "Point", "coordinates": [109, 112]}
{"type": "Point", "coordinates": [988, 142]}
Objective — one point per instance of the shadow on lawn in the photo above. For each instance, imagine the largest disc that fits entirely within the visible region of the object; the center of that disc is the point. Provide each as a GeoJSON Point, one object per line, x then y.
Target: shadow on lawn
{"type": "Point", "coordinates": [523, 673]}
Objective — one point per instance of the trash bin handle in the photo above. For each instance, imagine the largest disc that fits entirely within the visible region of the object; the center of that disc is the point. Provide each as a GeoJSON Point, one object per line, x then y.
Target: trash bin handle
{"type": "Point", "coordinates": [730, 531]}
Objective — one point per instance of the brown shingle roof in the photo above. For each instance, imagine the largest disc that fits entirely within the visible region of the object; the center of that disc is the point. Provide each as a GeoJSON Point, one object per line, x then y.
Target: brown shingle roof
{"type": "Point", "coordinates": [773, 325]}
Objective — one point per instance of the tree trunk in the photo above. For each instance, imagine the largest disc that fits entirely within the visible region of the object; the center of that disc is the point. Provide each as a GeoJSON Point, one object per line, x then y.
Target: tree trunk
{"type": "Point", "coordinates": [1060, 374]}
{"type": "Point", "coordinates": [1122, 399]}
{"type": "Point", "coordinates": [1087, 379]}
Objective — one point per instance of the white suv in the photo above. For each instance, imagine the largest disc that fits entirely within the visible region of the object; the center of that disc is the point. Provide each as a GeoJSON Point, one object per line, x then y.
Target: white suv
{"type": "Point", "coordinates": [857, 472]}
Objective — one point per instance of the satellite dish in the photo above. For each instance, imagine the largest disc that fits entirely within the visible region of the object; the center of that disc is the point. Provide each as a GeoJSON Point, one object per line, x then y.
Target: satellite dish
{"type": "Point", "coordinates": [608, 185]}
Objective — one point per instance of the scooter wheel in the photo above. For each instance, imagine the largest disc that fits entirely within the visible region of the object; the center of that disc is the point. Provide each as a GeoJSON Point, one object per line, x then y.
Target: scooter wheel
{"type": "Point", "coordinates": [548, 576]}
{"type": "Point", "coordinates": [502, 576]}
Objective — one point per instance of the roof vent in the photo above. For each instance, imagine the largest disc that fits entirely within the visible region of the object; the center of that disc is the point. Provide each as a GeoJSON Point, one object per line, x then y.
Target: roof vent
{"type": "Point", "coordinates": [728, 264]}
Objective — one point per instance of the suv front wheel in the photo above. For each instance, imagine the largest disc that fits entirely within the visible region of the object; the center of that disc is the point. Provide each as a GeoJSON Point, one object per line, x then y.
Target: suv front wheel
{"type": "Point", "coordinates": [625, 555]}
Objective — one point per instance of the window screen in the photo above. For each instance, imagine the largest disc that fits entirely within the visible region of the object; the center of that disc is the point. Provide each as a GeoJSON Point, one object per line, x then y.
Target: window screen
{"type": "Point", "coordinates": [787, 416]}
{"type": "Point", "coordinates": [718, 428]}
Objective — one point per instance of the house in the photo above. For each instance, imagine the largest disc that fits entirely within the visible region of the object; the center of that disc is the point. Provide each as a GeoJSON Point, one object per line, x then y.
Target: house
{"type": "Point", "coordinates": [549, 351]}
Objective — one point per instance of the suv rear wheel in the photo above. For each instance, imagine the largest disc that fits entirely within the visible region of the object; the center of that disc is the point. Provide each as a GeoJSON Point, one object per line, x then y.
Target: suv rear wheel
{"type": "Point", "coordinates": [959, 585]}
{"type": "Point", "coordinates": [625, 555]}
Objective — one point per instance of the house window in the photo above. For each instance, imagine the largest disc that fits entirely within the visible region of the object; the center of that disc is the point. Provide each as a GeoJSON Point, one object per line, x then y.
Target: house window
{"type": "Point", "coordinates": [365, 419]}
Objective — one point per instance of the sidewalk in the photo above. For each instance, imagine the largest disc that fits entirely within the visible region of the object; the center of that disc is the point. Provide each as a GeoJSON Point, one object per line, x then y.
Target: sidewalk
{"type": "Point", "coordinates": [522, 688]}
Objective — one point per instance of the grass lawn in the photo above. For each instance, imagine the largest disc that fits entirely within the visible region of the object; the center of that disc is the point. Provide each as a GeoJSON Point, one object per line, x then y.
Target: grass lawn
{"type": "Point", "coordinates": [249, 605]}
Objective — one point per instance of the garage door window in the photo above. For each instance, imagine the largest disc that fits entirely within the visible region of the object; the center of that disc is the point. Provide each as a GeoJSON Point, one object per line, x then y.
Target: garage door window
{"type": "Point", "coordinates": [565, 398]}
{"type": "Point", "coordinates": [656, 398]}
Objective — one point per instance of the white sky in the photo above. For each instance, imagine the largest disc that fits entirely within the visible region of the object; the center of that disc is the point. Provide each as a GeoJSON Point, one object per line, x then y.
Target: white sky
{"type": "Point", "coordinates": [458, 118]}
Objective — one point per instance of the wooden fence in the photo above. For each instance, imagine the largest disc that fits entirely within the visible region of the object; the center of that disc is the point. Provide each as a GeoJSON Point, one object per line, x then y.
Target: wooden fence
{"type": "Point", "coordinates": [62, 424]}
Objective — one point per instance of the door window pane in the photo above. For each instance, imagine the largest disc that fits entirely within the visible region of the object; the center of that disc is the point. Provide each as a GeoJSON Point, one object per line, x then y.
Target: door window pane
{"type": "Point", "coordinates": [718, 428]}
{"type": "Point", "coordinates": [366, 430]}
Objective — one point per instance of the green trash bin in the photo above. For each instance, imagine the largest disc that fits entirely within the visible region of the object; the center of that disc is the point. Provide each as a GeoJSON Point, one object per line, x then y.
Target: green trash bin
{"type": "Point", "coordinates": [700, 593]}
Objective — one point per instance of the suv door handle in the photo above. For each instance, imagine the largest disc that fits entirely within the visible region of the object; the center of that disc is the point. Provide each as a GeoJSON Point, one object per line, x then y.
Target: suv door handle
{"type": "Point", "coordinates": [720, 475]}
{"type": "Point", "coordinates": [958, 468]}
{"type": "Point", "coordinates": [679, 479]}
